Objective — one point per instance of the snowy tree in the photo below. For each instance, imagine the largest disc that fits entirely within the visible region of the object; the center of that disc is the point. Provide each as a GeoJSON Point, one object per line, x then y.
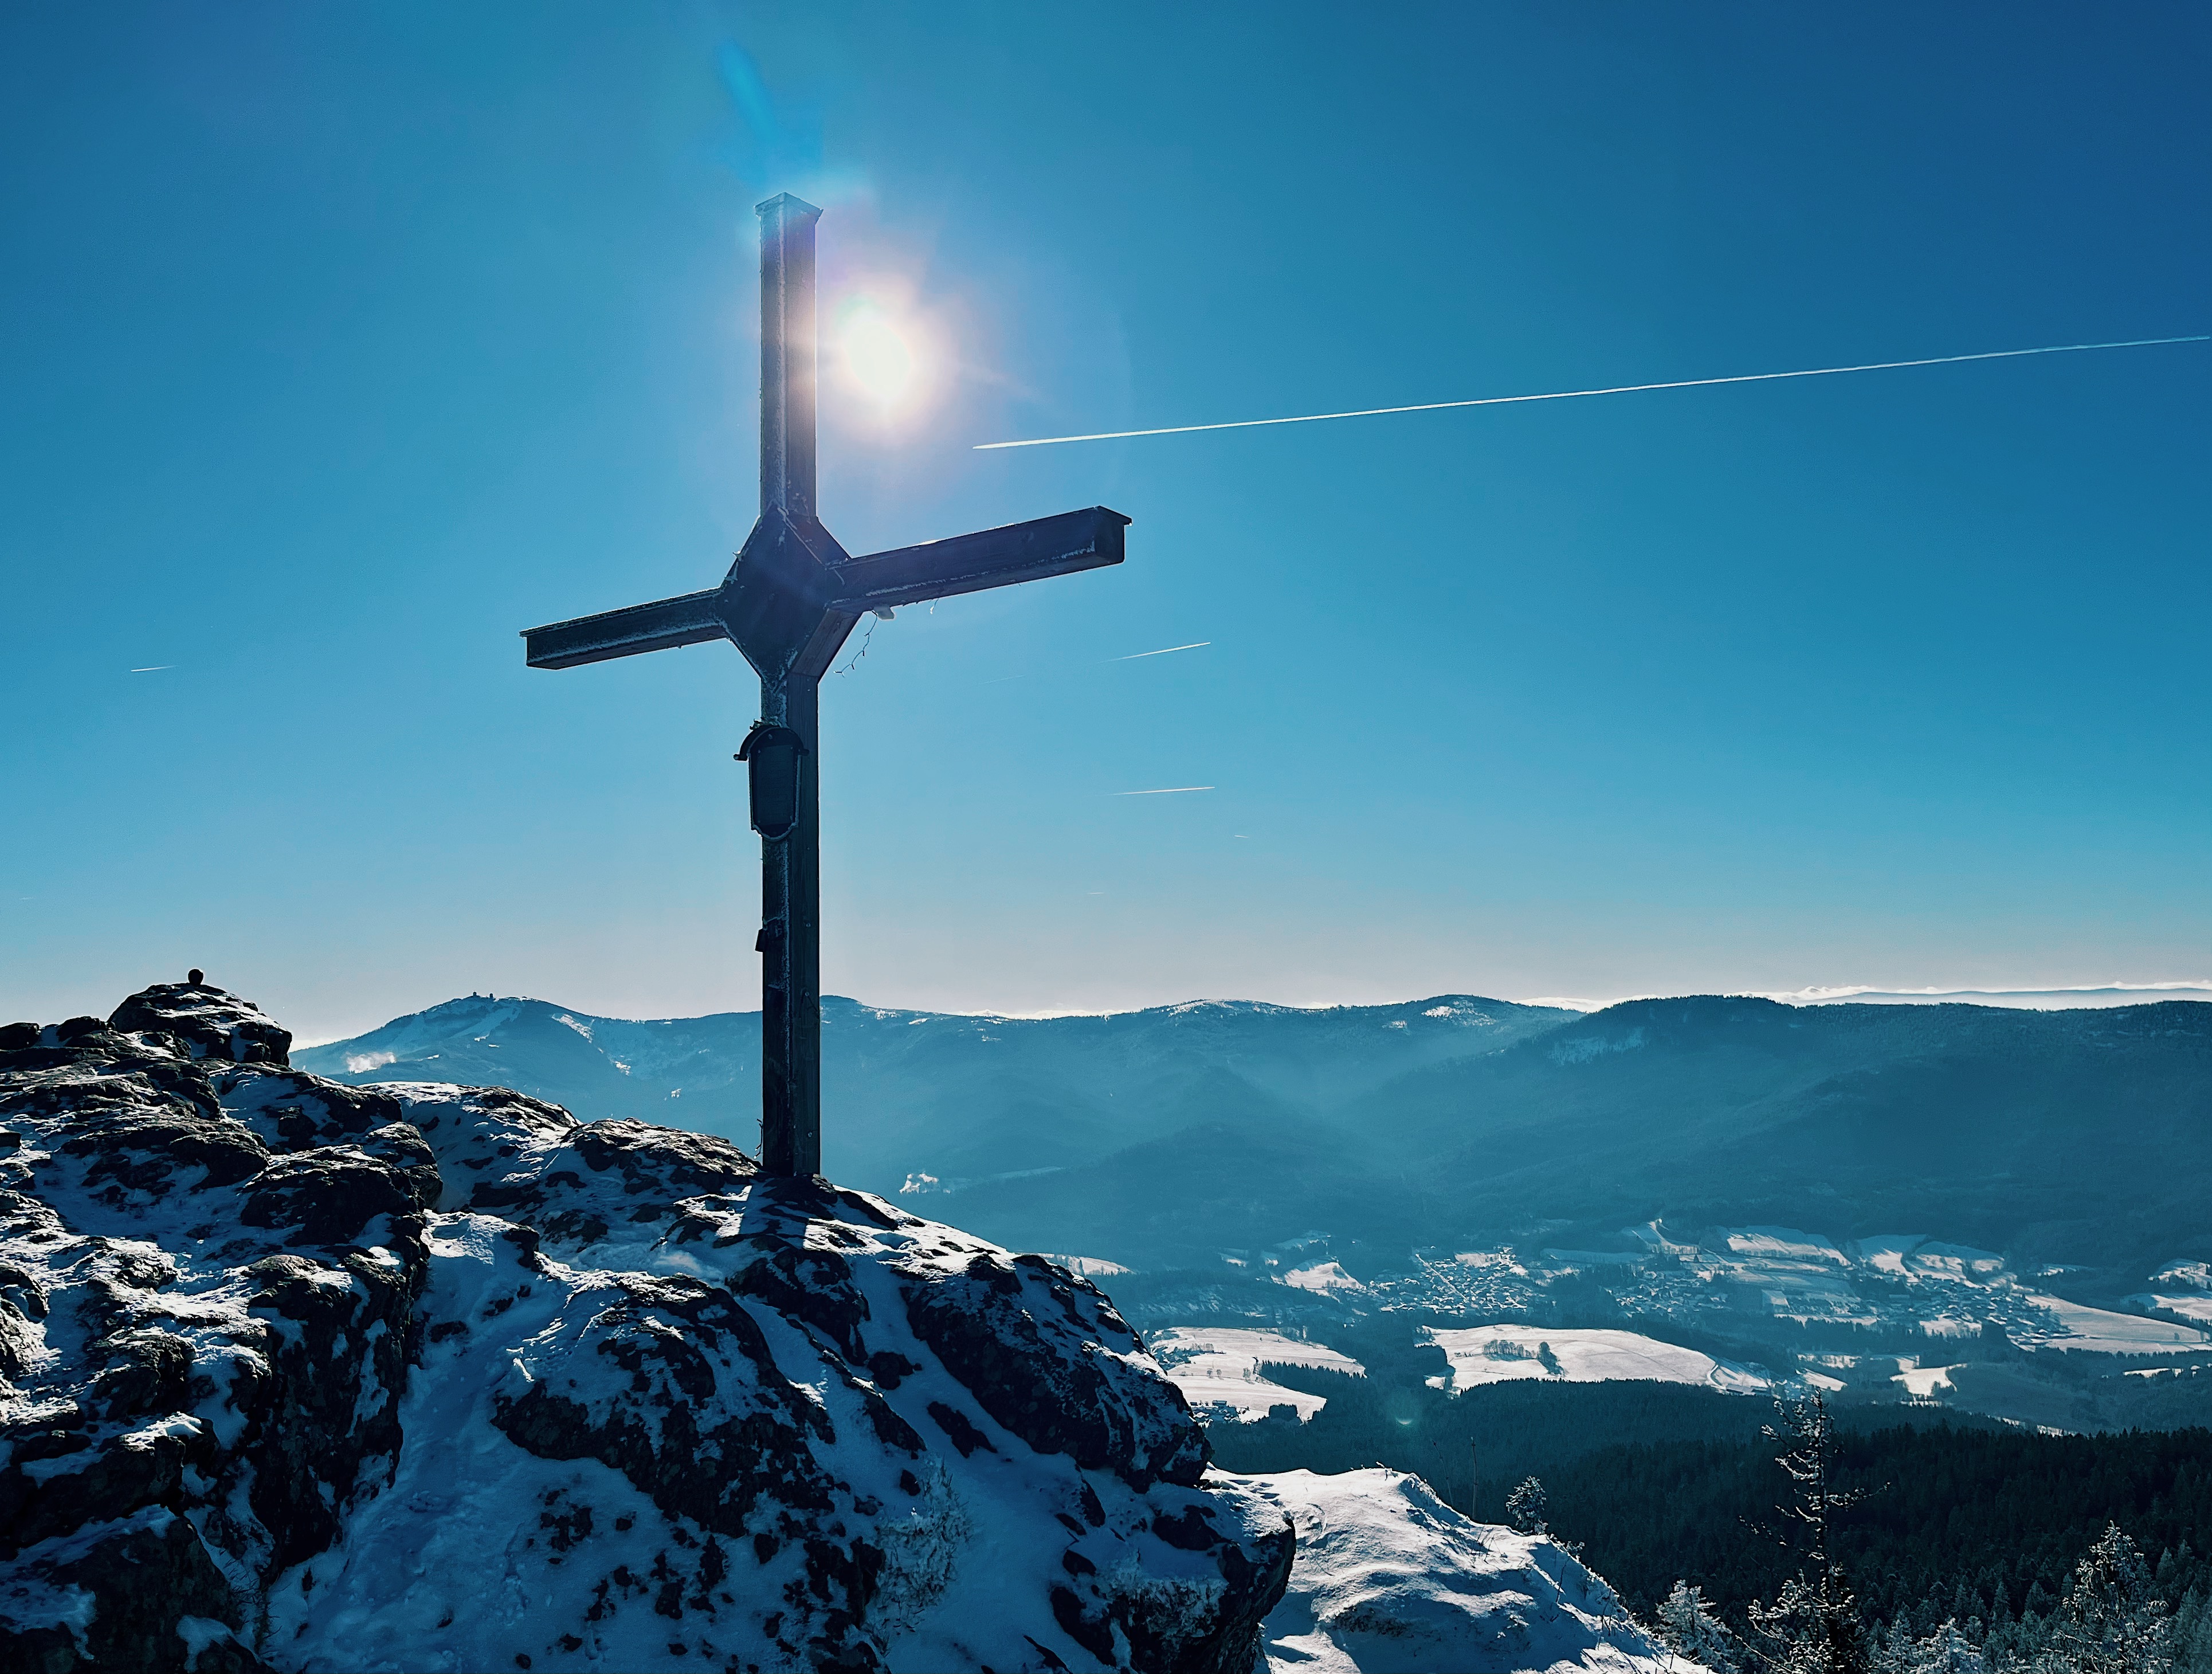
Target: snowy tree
{"type": "Point", "coordinates": [1813, 1626]}
{"type": "Point", "coordinates": [1527, 1508]}
{"type": "Point", "coordinates": [1687, 1627]}
{"type": "Point", "coordinates": [2192, 1633]}
{"type": "Point", "coordinates": [2114, 1622]}
{"type": "Point", "coordinates": [1893, 1652]}
{"type": "Point", "coordinates": [1949, 1649]}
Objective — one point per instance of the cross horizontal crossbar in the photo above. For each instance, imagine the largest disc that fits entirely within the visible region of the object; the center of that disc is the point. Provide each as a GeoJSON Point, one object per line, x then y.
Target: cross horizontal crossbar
{"type": "Point", "coordinates": [1061, 545]}
{"type": "Point", "coordinates": [1058, 546]}
{"type": "Point", "coordinates": [661, 626]}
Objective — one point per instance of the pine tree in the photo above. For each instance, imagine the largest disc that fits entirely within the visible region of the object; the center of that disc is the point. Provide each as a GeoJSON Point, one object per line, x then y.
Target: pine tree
{"type": "Point", "coordinates": [1813, 1626]}
{"type": "Point", "coordinates": [1687, 1627]}
{"type": "Point", "coordinates": [1949, 1650]}
{"type": "Point", "coordinates": [1895, 1652]}
{"type": "Point", "coordinates": [2114, 1622]}
{"type": "Point", "coordinates": [2192, 1633]}
{"type": "Point", "coordinates": [1527, 1508]}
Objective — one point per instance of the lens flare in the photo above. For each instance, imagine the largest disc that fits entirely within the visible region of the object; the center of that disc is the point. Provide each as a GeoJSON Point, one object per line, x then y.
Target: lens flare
{"type": "Point", "coordinates": [877, 355]}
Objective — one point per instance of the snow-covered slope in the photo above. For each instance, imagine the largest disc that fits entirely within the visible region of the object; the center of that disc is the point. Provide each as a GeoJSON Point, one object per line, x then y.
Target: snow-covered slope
{"type": "Point", "coordinates": [1499, 1354]}
{"type": "Point", "coordinates": [1391, 1580]}
{"type": "Point", "coordinates": [305, 1376]}
{"type": "Point", "coordinates": [1218, 1370]}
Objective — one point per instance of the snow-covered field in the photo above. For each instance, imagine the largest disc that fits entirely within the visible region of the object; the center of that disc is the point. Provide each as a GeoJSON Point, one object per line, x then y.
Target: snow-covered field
{"type": "Point", "coordinates": [2100, 1331]}
{"type": "Point", "coordinates": [1218, 1370]}
{"type": "Point", "coordinates": [1322, 1276]}
{"type": "Point", "coordinates": [1389, 1580]}
{"type": "Point", "coordinates": [2184, 1288]}
{"type": "Point", "coordinates": [1496, 1354]}
{"type": "Point", "coordinates": [2192, 1304]}
{"type": "Point", "coordinates": [1922, 1382]}
{"type": "Point", "coordinates": [1781, 1244]}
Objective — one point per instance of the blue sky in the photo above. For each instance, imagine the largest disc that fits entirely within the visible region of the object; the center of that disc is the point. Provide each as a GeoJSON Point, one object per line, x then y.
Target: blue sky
{"type": "Point", "coordinates": [343, 343]}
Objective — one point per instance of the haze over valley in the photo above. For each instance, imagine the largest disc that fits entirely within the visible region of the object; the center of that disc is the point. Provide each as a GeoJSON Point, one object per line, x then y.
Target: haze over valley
{"type": "Point", "coordinates": [1990, 1210]}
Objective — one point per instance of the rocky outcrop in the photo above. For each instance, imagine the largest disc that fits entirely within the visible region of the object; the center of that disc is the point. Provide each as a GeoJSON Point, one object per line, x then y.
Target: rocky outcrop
{"type": "Point", "coordinates": [1389, 1578]}
{"type": "Point", "coordinates": [295, 1375]}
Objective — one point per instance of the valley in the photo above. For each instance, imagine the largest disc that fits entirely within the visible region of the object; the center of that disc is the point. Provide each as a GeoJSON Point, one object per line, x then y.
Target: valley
{"type": "Point", "coordinates": [1708, 1186]}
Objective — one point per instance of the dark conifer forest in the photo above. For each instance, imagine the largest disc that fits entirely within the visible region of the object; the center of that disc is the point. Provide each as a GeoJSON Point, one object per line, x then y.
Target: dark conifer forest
{"type": "Point", "coordinates": [1956, 1519]}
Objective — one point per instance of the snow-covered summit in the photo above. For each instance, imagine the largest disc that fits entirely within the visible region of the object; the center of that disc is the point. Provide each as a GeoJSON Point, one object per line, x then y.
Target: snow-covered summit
{"type": "Point", "coordinates": [300, 1375]}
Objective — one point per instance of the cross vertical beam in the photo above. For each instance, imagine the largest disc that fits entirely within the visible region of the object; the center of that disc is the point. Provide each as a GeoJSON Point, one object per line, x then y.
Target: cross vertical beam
{"type": "Point", "coordinates": [787, 363]}
{"type": "Point", "coordinates": [790, 944]}
{"type": "Point", "coordinates": [790, 940]}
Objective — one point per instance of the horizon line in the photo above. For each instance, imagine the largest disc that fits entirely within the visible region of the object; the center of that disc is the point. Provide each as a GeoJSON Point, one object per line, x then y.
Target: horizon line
{"type": "Point", "coordinates": [1815, 996]}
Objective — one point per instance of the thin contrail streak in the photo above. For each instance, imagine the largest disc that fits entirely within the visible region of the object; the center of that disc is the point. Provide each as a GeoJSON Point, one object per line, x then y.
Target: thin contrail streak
{"type": "Point", "coordinates": [1575, 394]}
{"type": "Point", "coordinates": [1172, 790]}
{"type": "Point", "coordinates": [1195, 645]}
{"type": "Point", "coordinates": [155, 669]}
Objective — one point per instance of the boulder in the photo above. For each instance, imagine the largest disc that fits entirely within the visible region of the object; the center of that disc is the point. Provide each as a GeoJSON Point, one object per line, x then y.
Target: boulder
{"type": "Point", "coordinates": [210, 1021]}
{"type": "Point", "coordinates": [301, 1376]}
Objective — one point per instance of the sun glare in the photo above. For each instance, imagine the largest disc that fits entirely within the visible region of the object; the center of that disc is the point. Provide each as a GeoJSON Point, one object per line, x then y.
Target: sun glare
{"type": "Point", "coordinates": [877, 355]}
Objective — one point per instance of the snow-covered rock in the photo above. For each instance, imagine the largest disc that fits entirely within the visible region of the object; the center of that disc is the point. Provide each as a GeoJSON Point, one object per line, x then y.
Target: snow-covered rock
{"type": "Point", "coordinates": [297, 1375]}
{"type": "Point", "coordinates": [1389, 1580]}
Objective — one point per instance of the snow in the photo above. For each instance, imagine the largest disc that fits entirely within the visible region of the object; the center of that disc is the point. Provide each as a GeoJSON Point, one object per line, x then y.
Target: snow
{"type": "Point", "coordinates": [1322, 1276]}
{"type": "Point", "coordinates": [2184, 1288]}
{"type": "Point", "coordinates": [1389, 1578]}
{"type": "Point", "coordinates": [2192, 1305]}
{"type": "Point", "coordinates": [2085, 1330]}
{"type": "Point", "coordinates": [1885, 1252]}
{"type": "Point", "coordinates": [1218, 1370]}
{"type": "Point", "coordinates": [1781, 1244]}
{"type": "Point", "coordinates": [521, 1489]}
{"type": "Point", "coordinates": [1498, 1353]}
{"type": "Point", "coordinates": [2193, 1276]}
{"type": "Point", "coordinates": [1091, 1267]}
{"type": "Point", "coordinates": [1921, 1382]}
{"type": "Point", "coordinates": [1958, 1261]}
{"type": "Point", "coordinates": [198, 1632]}
{"type": "Point", "coordinates": [1947, 1324]}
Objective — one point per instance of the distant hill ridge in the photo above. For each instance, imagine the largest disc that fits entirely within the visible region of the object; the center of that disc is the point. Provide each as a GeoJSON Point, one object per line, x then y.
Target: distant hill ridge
{"type": "Point", "coordinates": [1162, 1137]}
{"type": "Point", "coordinates": [894, 1073]}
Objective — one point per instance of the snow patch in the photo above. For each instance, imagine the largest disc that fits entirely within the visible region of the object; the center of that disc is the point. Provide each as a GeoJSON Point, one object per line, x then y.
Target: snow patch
{"type": "Point", "coordinates": [1921, 1382]}
{"type": "Point", "coordinates": [1389, 1578]}
{"type": "Point", "coordinates": [1501, 1354]}
{"type": "Point", "coordinates": [2080, 1329]}
{"type": "Point", "coordinates": [1320, 1277]}
{"type": "Point", "coordinates": [1218, 1370]}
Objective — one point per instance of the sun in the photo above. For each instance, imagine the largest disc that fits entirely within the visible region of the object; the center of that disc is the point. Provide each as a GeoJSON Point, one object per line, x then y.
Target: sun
{"type": "Point", "coordinates": [879, 356]}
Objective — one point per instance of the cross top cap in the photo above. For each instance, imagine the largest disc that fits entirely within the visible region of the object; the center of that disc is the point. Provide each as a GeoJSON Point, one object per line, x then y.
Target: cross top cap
{"type": "Point", "coordinates": [785, 201]}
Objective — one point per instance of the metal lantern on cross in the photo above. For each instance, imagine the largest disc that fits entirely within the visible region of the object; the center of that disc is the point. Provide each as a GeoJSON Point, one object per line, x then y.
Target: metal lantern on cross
{"type": "Point", "coordinates": [772, 753]}
{"type": "Point", "coordinates": [787, 603]}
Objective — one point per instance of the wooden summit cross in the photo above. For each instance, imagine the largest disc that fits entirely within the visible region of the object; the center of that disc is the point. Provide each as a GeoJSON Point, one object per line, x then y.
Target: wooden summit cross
{"type": "Point", "coordinates": [788, 602]}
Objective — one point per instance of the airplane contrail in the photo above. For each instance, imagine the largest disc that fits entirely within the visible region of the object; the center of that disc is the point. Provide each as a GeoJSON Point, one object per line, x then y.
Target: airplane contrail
{"type": "Point", "coordinates": [1172, 790]}
{"type": "Point", "coordinates": [155, 669]}
{"type": "Point", "coordinates": [1195, 645]}
{"type": "Point", "coordinates": [1574, 395]}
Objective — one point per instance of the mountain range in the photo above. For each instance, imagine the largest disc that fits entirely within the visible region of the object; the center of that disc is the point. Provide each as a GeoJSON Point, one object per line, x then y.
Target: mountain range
{"type": "Point", "coordinates": [1160, 1139]}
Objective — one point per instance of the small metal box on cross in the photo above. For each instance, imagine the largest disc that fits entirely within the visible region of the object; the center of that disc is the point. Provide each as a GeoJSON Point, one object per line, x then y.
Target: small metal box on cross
{"type": "Point", "coordinates": [788, 602]}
